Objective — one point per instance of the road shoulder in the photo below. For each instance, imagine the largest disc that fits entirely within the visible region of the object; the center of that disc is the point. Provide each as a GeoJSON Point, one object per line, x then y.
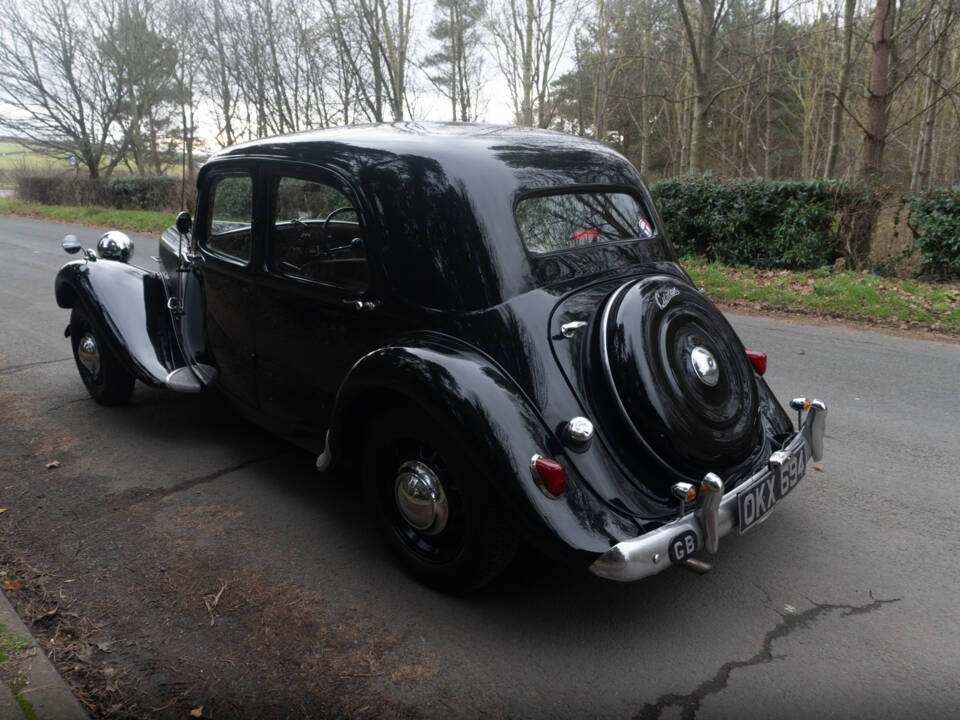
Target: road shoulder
{"type": "Point", "coordinates": [33, 687]}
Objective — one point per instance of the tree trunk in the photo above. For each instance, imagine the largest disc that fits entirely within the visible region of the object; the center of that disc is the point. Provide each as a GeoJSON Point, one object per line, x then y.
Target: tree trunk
{"type": "Point", "coordinates": [875, 135]}
{"type": "Point", "coordinates": [836, 119]}
{"type": "Point", "coordinates": [526, 108]}
{"type": "Point", "coordinates": [921, 175]}
{"type": "Point", "coordinates": [702, 47]}
{"type": "Point", "coordinates": [768, 126]}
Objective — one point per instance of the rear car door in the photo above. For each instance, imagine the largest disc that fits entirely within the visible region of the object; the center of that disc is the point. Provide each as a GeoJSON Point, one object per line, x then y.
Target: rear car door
{"type": "Point", "coordinates": [317, 311]}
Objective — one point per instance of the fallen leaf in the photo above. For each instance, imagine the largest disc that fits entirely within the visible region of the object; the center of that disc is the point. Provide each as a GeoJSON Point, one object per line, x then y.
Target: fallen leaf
{"type": "Point", "coordinates": [54, 464]}
{"type": "Point", "coordinates": [819, 468]}
{"type": "Point", "coordinates": [11, 585]}
{"type": "Point", "coordinates": [3, 510]}
{"type": "Point", "coordinates": [197, 712]}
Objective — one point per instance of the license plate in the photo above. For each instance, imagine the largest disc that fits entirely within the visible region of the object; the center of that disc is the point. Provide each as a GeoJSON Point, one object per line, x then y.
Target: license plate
{"type": "Point", "coordinates": [756, 501]}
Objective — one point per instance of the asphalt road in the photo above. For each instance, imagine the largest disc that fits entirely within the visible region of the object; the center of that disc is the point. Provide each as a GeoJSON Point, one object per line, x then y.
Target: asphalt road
{"type": "Point", "coordinates": [843, 604]}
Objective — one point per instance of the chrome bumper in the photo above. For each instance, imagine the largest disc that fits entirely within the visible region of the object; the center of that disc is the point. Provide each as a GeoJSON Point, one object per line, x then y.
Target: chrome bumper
{"type": "Point", "coordinates": [650, 553]}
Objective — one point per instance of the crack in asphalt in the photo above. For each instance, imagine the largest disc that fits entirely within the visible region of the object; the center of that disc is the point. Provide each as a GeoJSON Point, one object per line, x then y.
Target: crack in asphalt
{"type": "Point", "coordinates": [162, 493]}
{"type": "Point", "coordinates": [690, 703]}
{"type": "Point", "coordinates": [26, 366]}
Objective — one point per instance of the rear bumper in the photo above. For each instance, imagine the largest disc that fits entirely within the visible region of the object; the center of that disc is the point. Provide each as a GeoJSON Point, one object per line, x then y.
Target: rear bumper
{"type": "Point", "coordinates": [656, 550]}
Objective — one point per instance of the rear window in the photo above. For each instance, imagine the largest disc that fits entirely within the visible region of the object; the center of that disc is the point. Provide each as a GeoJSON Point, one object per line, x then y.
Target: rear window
{"type": "Point", "coordinates": [567, 220]}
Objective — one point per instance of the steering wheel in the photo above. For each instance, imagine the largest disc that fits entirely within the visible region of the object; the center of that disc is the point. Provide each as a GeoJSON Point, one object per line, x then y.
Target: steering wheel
{"type": "Point", "coordinates": [326, 223]}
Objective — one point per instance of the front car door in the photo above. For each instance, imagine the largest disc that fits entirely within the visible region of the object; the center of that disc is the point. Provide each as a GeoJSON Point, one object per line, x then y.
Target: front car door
{"type": "Point", "coordinates": [226, 252]}
{"type": "Point", "coordinates": [317, 310]}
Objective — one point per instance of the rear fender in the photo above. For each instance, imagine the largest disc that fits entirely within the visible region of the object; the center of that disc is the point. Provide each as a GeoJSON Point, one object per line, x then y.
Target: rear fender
{"type": "Point", "coordinates": [458, 386]}
{"type": "Point", "coordinates": [127, 306]}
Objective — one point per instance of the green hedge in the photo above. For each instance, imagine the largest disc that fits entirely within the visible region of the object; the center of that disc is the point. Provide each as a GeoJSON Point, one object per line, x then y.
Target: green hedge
{"type": "Point", "coordinates": [58, 190]}
{"type": "Point", "coordinates": [121, 192]}
{"type": "Point", "coordinates": [129, 192]}
{"type": "Point", "coordinates": [758, 222]}
{"type": "Point", "coordinates": [934, 221]}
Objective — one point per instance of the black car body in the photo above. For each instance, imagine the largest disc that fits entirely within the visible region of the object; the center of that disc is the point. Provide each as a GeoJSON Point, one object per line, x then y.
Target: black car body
{"type": "Point", "coordinates": [489, 322]}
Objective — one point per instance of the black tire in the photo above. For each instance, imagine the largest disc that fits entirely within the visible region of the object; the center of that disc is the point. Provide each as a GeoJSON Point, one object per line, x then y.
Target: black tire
{"type": "Point", "coordinates": [690, 424]}
{"type": "Point", "coordinates": [476, 543]}
{"type": "Point", "coordinates": [108, 384]}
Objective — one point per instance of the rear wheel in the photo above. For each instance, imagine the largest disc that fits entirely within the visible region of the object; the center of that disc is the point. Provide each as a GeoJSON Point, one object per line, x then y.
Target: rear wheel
{"type": "Point", "coordinates": [430, 500]}
{"type": "Point", "coordinates": [107, 381]}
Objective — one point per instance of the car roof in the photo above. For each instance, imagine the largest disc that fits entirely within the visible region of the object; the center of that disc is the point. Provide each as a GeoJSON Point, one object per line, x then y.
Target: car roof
{"type": "Point", "coordinates": [426, 140]}
{"type": "Point", "coordinates": [443, 195]}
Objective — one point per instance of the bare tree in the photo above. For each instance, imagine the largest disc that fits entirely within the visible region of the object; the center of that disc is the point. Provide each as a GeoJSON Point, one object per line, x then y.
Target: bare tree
{"type": "Point", "coordinates": [61, 95]}
{"type": "Point", "coordinates": [144, 62]}
{"type": "Point", "coordinates": [702, 42]}
{"type": "Point", "coordinates": [530, 37]}
{"type": "Point", "coordinates": [840, 93]}
{"type": "Point", "coordinates": [458, 65]}
{"type": "Point", "coordinates": [933, 94]}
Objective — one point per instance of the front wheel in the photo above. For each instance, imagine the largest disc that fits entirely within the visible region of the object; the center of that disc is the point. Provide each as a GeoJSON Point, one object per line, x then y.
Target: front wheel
{"type": "Point", "coordinates": [431, 501]}
{"type": "Point", "coordinates": [107, 381]}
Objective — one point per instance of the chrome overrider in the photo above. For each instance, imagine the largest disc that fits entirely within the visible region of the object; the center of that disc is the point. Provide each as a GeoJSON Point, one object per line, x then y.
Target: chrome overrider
{"type": "Point", "coordinates": [715, 514]}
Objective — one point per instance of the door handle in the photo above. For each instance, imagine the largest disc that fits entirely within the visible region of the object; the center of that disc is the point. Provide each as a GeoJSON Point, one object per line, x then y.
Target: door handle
{"type": "Point", "coordinates": [360, 305]}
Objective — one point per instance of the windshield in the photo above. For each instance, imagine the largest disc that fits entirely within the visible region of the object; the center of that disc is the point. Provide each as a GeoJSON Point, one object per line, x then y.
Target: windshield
{"type": "Point", "coordinates": [549, 223]}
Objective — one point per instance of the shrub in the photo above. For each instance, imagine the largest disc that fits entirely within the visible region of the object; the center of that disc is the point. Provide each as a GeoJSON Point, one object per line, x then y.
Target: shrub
{"type": "Point", "coordinates": [758, 222]}
{"type": "Point", "coordinates": [124, 192]}
{"type": "Point", "coordinates": [61, 190]}
{"type": "Point", "coordinates": [934, 220]}
{"type": "Point", "coordinates": [129, 192]}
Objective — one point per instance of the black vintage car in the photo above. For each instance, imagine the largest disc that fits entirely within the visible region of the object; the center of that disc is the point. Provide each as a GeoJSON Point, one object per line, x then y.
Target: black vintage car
{"type": "Point", "coordinates": [488, 323]}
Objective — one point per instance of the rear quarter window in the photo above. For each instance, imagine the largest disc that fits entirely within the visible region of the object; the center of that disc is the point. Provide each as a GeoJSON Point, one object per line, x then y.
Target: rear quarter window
{"type": "Point", "coordinates": [567, 220]}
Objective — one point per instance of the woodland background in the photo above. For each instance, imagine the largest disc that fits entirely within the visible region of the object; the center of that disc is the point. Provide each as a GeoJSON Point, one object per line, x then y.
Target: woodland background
{"type": "Point", "coordinates": [861, 91]}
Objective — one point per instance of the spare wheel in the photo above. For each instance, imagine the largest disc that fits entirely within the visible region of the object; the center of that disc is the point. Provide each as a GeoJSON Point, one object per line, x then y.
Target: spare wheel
{"type": "Point", "coordinates": [679, 376]}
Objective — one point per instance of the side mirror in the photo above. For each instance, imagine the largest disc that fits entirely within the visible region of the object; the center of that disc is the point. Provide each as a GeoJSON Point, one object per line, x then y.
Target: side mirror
{"type": "Point", "coordinates": [184, 223]}
{"type": "Point", "coordinates": [71, 245]}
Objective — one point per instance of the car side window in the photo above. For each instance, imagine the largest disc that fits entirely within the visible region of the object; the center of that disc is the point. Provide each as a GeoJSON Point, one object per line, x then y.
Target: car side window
{"type": "Point", "coordinates": [316, 235]}
{"type": "Point", "coordinates": [231, 217]}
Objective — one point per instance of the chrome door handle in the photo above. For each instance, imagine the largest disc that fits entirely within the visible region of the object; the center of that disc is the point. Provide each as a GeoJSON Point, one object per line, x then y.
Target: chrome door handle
{"type": "Point", "coordinates": [360, 305]}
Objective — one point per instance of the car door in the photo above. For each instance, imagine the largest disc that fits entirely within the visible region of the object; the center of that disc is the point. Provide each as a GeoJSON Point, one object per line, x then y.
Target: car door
{"type": "Point", "coordinates": [226, 252]}
{"type": "Point", "coordinates": [317, 312]}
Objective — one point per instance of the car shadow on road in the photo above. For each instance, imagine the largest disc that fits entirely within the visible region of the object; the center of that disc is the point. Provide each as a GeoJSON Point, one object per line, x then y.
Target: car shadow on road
{"type": "Point", "coordinates": [536, 592]}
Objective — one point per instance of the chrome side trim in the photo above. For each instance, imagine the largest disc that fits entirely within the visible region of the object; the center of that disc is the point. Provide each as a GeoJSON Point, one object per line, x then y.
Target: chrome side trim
{"type": "Point", "coordinates": [642, 556]}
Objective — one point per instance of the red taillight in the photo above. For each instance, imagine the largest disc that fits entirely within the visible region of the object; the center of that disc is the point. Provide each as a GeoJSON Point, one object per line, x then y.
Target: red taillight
{"type": "Point", "coordinates": [758, 360]}
{"type": "Point", "coordinates": [552, 475]}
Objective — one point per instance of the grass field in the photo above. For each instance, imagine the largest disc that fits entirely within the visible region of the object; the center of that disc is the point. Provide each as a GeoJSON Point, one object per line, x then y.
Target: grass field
{"type": "Point", "coordinates": [14, 156]}
{"type": "Point", "coordinates": [856, 296]}
{"type": "Point", "coordinates": [137, 220]}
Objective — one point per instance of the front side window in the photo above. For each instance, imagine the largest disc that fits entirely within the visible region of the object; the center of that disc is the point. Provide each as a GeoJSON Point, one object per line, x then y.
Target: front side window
{"type": "Point", "coordinates": [567, 220]}
{"type": "Point", "coordinates": [231, 217]}
{"type": "Point", "coordinates": [316, 235]}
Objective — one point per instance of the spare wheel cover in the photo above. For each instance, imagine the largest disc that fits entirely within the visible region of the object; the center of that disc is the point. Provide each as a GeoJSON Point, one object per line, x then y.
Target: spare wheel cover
{"type": "Point", "coordinates": [658, 337]}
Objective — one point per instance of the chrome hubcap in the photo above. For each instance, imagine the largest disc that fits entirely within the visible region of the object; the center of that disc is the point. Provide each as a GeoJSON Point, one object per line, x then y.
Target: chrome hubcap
{"type": "Point", "coordinates": [89, 354]}
{"type": "Point", "coordinates": [420, 498]}
{"type": "Point", "coordinates": [705, 366]}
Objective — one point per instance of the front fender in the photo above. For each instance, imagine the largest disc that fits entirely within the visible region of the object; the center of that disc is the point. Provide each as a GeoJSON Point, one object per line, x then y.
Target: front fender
{"type": "Point", "coordinates": [127, 306]}
{"type": "Point", "coordinates": [457, 385]}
